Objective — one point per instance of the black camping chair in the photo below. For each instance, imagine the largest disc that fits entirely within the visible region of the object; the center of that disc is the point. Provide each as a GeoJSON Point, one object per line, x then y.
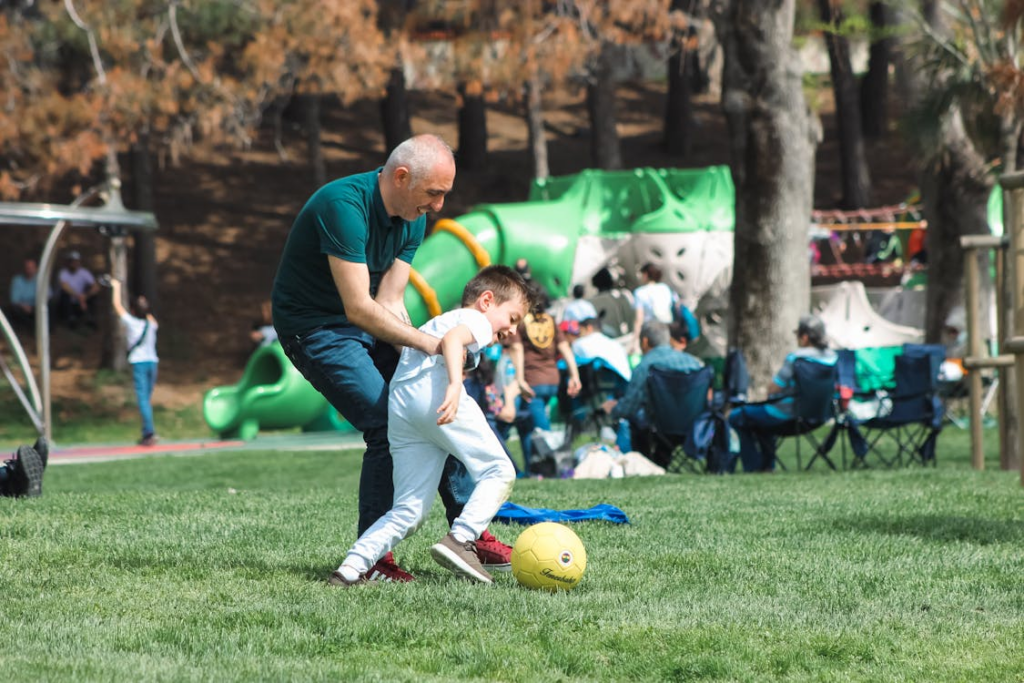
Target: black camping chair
{"type": "Point", "coordinates": [682, 427]}
{"type": "Point", "coordinates": [582, 413]}
{"type": "Point", "coordinates": [910, 417]}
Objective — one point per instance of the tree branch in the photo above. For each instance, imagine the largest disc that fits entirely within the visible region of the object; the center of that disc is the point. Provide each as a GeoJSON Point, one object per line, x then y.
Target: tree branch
{"type": "Point", "coordinates": [93, 48]}
{"type": "Point", "coordinates": [172, 14]}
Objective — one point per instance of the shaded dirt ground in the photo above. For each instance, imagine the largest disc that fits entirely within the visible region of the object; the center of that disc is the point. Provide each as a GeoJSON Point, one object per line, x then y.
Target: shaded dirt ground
{"type": "Point", "coordinates": [224, 215]}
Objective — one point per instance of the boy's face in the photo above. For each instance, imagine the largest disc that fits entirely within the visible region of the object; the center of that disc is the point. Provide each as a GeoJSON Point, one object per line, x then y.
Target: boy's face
{"type": "Point", "coordinates": [504, 317]}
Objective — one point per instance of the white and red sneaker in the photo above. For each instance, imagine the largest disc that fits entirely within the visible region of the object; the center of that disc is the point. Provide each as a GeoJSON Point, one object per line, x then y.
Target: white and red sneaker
{"type": "Point", "coordinates": [386, 570]}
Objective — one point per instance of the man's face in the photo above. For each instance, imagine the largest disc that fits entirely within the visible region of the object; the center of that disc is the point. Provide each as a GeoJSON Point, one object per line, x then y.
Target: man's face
{"type": "Point", "coordinates": [30, 268]}
{"type": "Point", "coordinates": [74, 265]}
{"type": "Point", "coordinates": [426, 193]}
{"type": "Point", "coordinates": [504, 317]}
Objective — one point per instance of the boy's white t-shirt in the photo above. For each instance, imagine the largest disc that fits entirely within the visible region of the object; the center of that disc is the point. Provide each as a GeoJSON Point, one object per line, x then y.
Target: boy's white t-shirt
{"type": "Point", "coordinates": [414, 362]}
{"type": "Point", "coordinates": [133, 328]}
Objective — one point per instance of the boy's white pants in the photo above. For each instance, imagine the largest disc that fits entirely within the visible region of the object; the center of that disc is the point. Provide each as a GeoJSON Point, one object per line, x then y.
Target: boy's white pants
{"type": "Point", "coordinates": [419, 448]}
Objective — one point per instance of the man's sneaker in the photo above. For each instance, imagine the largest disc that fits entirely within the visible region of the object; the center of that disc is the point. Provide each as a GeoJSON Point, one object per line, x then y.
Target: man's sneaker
{"type": "Point", "coordinates": [338, 580]}
{"type": "Point", "coordinates": [42, 447]}
{"type": "Point", "coordinates": [494, 555]}
{"type": "Point", "coordinates": [28, 473]}
{"type": "Point", "coordinates": [386, 570]}
{"type": "Point", "coordinates": [460, 558]}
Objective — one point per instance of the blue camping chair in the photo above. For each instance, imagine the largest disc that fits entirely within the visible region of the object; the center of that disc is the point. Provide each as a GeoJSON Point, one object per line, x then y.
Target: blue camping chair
{"type": "Point", "coordinates": [683, 428]}
{"type": "Point", "coordinates": [911, 416]}
{"type": "Point", "coordinates": [814, 405]}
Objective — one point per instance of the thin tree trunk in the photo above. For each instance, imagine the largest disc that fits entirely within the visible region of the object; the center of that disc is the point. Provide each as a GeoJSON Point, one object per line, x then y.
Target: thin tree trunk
{"type": "Point", "coordinates": [679, 105]}
{"type": "Point", "coordinates": [144, 267]}
{"type": "Point", "coordinates": [113, 352]}
{"type": "Point", "coordinates": [874, 88]}
{"type": "Point", "coordinates": [856, 180]}
{"type": "Point", "coordinates": [605, 149]}
{"type": "Point", "coordinates": [311, 113]}
{"type": "Point", "coordinates": [535, 128]}
{"type": "Point", "coordinates": [394, 110]}
{"type": "Point", "coordinates": [1010, 459]}
{"type": "Point", "coordinates": [472, 128]}
{"type": "Point", "coordinates": [772, 144]}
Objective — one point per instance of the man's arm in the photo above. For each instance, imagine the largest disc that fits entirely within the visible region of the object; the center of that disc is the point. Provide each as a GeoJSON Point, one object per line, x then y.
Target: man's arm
{"type": "Point", "coordinates": [391, 290]}
{"type": "Point", "coordinates": [574, 385]}
{"type": "Point", "coordinates": [353, 283]}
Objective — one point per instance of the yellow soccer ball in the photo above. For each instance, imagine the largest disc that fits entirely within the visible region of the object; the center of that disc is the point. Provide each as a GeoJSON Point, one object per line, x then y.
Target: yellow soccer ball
{"type": "Point", "coordinates": [548, 556]}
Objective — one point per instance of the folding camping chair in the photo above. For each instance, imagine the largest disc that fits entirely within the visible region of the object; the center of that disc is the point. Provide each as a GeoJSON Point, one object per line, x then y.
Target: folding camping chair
{"type": "Point", "coordinates": [814, 405]}
{"type": "Point", "coordinates": [583, 413]}
{"type": "Point", "coordinates": [911, 415]}
{"type": "Point", "coordinates": [682, 427]}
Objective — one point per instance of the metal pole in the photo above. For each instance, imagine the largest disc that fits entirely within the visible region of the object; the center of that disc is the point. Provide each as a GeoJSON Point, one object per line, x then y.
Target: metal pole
{"type": "Point", "coordinates": [974, 345]}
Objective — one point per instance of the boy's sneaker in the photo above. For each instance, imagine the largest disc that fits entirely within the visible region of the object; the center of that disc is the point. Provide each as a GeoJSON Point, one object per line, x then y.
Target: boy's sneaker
{"type": "Point", "coordinates": [338, 580]}
{"type": "Point", "coordinates": [28, 473]}
{"type": "Point", "coordinates": [149, 440]}
{"type": "Point", "coordinates": [386, 570]}
{"type": "Point", "coordinates": [460, 558]}
{"type": "Point", "coordinates": [494, 555]}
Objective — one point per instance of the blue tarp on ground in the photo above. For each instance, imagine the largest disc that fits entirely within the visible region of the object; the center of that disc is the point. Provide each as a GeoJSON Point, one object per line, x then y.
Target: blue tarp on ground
{"type": "Point", "coordinates": [510, 513]}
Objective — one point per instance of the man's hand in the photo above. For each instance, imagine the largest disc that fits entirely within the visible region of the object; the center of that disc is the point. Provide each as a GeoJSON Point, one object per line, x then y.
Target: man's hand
{"type": "Point", "coordinates": [609, 405]}
{"type": "Point", "coordinates": [526, 390]}
{"type": "Point", "coordinates": [450, 405]}
{"type": "Point", "coordinates": [574, 386]}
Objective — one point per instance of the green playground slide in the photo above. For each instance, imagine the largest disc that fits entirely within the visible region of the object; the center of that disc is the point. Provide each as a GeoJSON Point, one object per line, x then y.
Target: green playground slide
{"type": "Point", "coordinates": [272, 394]}
{"type": "Point", "coordinates": [546, 228]}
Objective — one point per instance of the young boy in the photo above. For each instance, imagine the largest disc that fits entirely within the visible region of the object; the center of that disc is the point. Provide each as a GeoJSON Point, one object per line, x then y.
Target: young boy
{"type": "Point", "coordinates": [429, 417]}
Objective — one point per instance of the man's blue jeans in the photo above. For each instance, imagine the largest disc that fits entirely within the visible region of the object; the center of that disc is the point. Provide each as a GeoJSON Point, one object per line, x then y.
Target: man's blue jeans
{"type": "Point", "coordinates": [144, 376]}
{"type": "Point", "coordinates": [756, 427]}
{"type": "Point", "coordinates": [352, 370]}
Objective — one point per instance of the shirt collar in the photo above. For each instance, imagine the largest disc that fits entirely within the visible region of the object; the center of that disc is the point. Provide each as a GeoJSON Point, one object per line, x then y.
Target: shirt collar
{"type": "Point", "coordinates": [378, 205]}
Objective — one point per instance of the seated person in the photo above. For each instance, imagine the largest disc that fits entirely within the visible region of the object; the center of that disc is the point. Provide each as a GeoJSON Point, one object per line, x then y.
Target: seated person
{"type": "Point", "coordinates": [76, 301]}
{"type": "Point", "coordinates": [589, 342]}
{"type": "Point", "coordinates": [655, 343]}
{"type": "Point", "coordinates": [614, 305]}
{"type": "Point", "coordinates": [22, 308]}
{"type": "Point", "coordinates": [578, 309]}
{"type": "Point", "coordinates": [498, 405]}
{"type": "Point", "coordinates": [263, 331]}
{"type": "Point", "coordinates": [754, 422]}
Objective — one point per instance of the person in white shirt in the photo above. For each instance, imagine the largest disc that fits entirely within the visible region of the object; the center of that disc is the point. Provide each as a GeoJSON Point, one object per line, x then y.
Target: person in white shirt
{"type": "Point", "coordinates": [78, 290]}
{"type": "Point", "coordinates": [140, 335]}
{"type": "Point", "coordinates": [655, 300]}
{"type": "Point", "coordinates": [579, 309]}
{"type": "Point", "coordinates": [592, 343]}
{"type": "Point", "coordinates": [430, 416]}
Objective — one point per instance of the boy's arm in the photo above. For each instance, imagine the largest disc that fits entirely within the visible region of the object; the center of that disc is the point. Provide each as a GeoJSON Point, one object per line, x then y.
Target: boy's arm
{"type": "Point", "coordinates": [115, 291]}
{"type": "Point", "coordinates": [453, 347]}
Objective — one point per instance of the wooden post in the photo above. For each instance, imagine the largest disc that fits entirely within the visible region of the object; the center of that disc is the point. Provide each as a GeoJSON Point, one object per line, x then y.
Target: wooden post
{"type": "Point", "coordinates": [1013, 198]}
{"type": "Point", "coordinates": [974, 348]}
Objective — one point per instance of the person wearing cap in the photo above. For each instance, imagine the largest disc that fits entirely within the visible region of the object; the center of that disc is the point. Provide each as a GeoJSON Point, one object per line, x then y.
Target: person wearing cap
{"type": "Point", "coordinates": [756, 424]}
{"type": "Point", "coordinates": [78, 290]}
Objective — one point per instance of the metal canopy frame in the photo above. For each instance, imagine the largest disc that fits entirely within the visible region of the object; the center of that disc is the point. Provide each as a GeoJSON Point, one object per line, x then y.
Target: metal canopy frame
{"type": "Point", "coordinates": [112, 219]}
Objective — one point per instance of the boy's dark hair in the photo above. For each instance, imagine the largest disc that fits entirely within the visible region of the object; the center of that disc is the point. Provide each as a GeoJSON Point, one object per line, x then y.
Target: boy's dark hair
{"type": "Point", "coordinates": [603, 280]}
{"type": "Point", "coordinates": [506, 284]}
{"type": "Point", "coordinates": [680, 331]}
{"type": "Point", "coordinates": [652, 272]}
{"type": "Point", "coordinates": [578, 291]}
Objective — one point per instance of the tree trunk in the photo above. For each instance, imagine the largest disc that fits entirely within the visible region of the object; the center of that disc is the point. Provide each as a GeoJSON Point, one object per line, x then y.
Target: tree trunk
{"type": "Point", "coordinates": [472, 128]}
{"type": "Point", "coordinates": [772, 147]}
{"type": "Point", "coordinates": [874, 88]}
{"type": "Point", "coordinates": [1010, 459]}
{"type": "Point", "coordinates": [144, 275]}
{"type": "Point", "coordinates": [535, 128]}
{"type": "Point", "coordinates": [679, 105]}
{"type": "Point", "coordinates": [955, 190]}
{"type": "Point", "coordinates": [113, 351]}
{"type": "Point", "coordinates": [394, 110]}
{"type": "Point", "coordinates": [311, 113]}
{"type": "Point", "coordinates": [856, 180]}
{"type": "Point", "coordinates": [605, 151]}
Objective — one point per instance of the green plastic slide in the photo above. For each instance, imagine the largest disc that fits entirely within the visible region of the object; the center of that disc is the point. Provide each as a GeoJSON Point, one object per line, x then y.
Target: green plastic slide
{"type": "Point", "coordinates": [272, 394]}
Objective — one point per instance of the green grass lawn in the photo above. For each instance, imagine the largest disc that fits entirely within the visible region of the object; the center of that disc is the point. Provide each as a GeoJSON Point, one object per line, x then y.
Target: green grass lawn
{"type": "Point", "coordinates": [213, 568]}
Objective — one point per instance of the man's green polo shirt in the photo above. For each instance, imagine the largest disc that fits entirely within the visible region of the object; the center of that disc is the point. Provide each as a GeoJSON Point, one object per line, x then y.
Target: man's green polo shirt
{"type": "Point", "coordinates": [344, 218]}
